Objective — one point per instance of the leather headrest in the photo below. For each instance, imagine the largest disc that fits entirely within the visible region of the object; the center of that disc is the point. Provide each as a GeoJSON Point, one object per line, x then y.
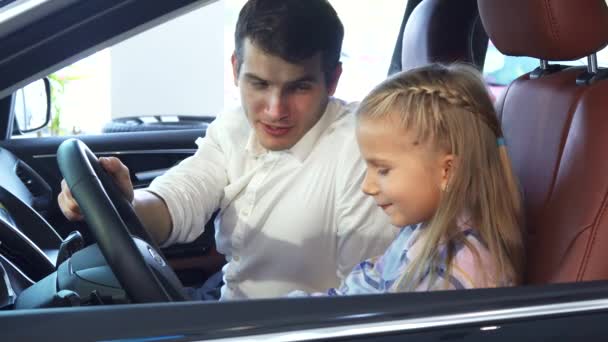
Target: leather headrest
{"type": "Point", "coordinates": [546, 29]}
{"type": "Point", "coordinates": [440, 31]}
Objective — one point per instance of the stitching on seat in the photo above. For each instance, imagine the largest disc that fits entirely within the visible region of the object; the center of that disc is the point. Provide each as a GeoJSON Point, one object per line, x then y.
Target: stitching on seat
{"type": "Point", "coordinates": [552, 22]}
{"type": "Point", "coordinates": [582, 231]}
{"type": "Point", "coordinates": [470, 35]}
{"type": "Point", "coordinates": [502, 100]}
{"type": "Point", "coordinates": [595, 227]}
{"type": "Point", "coordinates": [566, 134]}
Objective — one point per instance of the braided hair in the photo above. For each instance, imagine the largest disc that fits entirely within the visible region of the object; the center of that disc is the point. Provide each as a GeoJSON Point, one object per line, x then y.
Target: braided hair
{"type": "Point", "coordinates": [449, 107]}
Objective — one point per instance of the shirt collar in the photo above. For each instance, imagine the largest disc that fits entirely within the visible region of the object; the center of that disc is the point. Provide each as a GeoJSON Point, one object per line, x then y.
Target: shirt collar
{"type": "Point", "coordinates": [253, 145]}
{"type": "Point", "coordinates": [301, 150]}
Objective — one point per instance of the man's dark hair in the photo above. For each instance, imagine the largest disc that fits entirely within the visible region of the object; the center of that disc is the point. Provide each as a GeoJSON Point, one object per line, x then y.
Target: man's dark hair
{"type": "Point", "coordinates": [293, 30]}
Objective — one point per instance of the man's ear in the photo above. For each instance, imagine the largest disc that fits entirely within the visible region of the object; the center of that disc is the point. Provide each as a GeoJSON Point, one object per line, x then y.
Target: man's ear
{"type": "Point", "coordinates": [235, 68]}
{"type": "Point", "coordinates": [335, 77]}
{"type": "Point", "coordinates": [448, 166]}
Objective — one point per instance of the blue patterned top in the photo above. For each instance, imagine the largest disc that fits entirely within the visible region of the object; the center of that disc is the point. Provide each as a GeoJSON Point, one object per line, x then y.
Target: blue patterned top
{"type": "Point", "coordinates": [387, 273]}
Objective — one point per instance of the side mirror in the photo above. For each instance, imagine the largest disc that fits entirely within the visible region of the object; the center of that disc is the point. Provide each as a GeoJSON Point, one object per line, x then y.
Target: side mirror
{"type": "Point", "coordinates": [32, 106]}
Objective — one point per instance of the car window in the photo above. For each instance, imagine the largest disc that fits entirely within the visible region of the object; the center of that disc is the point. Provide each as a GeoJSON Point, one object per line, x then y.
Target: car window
{"type": "Point", "coordinates": [500, 70]}
{"type": "Point", "coordinates": [178, 75]}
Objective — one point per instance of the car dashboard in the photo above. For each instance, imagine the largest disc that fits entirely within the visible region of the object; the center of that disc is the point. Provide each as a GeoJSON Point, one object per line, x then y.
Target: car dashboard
{"type": "Point", "coordinates": [29, 245]}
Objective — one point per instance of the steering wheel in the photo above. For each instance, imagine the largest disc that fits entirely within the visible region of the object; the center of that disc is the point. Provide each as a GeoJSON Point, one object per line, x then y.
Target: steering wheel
{"type": "Point", "coordinates": [138, 265]}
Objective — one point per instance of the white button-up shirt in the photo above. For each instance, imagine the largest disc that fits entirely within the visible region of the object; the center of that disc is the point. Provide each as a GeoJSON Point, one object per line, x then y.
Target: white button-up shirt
{"type": "Point", "coordinates": [292, 219]}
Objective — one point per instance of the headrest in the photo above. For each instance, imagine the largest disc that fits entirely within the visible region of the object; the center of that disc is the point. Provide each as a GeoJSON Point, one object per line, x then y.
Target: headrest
{"type": "Point", "coordinates": [440, 31]}
{"type": "Point", "coordinates": [546, 29]}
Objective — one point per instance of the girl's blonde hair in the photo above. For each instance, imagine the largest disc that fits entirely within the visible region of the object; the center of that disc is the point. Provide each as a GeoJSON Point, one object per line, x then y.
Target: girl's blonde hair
{"type": "Point", "coordinates": [449, 107]}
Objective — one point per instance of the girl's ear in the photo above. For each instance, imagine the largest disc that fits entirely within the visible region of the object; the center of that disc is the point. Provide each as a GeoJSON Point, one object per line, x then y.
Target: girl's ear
{"type": "Point", "coordinates": [447, 169]}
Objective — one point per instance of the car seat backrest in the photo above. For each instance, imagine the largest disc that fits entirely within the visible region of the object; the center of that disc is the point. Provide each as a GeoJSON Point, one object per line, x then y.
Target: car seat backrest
{"type": "Point", "coordinates": [555, 122]}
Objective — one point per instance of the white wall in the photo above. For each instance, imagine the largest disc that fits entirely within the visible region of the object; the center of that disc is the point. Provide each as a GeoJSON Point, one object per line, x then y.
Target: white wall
{"type": "Point", "coordinates": [173, 69]}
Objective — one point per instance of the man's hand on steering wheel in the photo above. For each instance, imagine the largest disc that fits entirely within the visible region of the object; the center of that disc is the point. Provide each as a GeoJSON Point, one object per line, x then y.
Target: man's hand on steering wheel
{"type": "Point", "coordinates": [105, 195]}
{"type": "Point", "coordinates": [119, 173]}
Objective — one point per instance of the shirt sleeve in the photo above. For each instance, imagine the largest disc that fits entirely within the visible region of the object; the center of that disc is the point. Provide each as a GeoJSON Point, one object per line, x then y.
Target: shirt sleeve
{"type": "Point", "coordinates": [363, 229]}
{"type": "Point", "coordinates": [193, 189]}
{"type": "Point", "coordinates": [363, 279]}
{"type": "Point", "coordinates": [472, 267]}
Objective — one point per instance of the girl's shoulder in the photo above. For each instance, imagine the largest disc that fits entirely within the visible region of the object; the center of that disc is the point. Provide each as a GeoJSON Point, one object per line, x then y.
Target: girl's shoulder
{"type": "Point", "coordinates": [473, 264]}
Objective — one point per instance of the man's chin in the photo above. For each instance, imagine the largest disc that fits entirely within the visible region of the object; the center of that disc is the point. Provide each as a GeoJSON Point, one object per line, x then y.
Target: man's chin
{"type": "Point", "coordinates": [275, 144]}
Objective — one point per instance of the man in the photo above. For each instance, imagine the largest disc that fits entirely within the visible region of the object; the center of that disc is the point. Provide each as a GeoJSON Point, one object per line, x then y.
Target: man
{"type": "Point", "coordinates": [284, 169]}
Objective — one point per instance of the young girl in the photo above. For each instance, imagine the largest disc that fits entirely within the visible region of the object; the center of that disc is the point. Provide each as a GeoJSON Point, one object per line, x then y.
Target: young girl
{"type": "Point", "coordinates": [438, 167]}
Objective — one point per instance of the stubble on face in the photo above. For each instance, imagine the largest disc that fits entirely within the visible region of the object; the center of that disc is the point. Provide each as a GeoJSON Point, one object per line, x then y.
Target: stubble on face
{"type": "Point", "coordinates": [282, 100]}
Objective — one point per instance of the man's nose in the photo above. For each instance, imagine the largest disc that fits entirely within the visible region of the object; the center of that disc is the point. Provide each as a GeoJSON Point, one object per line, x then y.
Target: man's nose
{"type": "Point", "coordinates": [369, 186]}
{"type": "Point", "coordinates": [275, 108]}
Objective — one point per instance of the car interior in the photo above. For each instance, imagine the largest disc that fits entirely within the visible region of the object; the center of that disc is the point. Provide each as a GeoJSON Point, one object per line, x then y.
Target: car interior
{"type": "Point", "coordinates": [552, 118]}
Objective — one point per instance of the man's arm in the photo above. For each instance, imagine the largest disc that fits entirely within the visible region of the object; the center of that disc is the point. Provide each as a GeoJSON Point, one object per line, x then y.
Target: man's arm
{"type": "Point", "coordinates": [179, 203]}
{"type": "Point", "coordinates": [153, 214]}
{"type": "Point", "coordinates": [185, 197]}
{"type": "Point", "coordinates": [150, 209]}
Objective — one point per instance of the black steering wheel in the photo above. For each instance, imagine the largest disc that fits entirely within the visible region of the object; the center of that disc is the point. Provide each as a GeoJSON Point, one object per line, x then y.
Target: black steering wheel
{"type": "Point", "coordinates": [137, 264]}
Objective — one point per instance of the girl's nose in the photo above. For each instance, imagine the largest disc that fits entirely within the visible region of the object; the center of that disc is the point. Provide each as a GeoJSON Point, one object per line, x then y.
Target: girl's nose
{"type": "Point", "coordinates": [369, 185]}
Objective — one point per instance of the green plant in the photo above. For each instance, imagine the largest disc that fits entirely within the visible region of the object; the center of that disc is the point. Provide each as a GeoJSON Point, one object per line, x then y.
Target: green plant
{"type": "Point", "coordinates": [58, 84]}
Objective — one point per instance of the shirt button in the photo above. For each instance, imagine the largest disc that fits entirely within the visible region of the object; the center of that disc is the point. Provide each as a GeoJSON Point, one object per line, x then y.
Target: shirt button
{"type": "Point", "coordinates": [236, 258]}
{"type": "Point", "coordinates": [245, 212]}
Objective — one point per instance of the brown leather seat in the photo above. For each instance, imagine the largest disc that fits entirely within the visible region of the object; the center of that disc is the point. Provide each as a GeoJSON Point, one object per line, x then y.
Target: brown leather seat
{"type": "Point", "coordinates": [557, 133]}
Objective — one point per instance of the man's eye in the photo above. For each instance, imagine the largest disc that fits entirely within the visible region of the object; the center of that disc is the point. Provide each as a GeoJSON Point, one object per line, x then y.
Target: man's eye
{"type": "Point", "coordinates": [301, 87]}
{"type": "Point", "coordinates": [383, 171]}
{"type": "Point", "coordinates": [304, 86]}
{"type": "Point", "coordinates": [259, 85]}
